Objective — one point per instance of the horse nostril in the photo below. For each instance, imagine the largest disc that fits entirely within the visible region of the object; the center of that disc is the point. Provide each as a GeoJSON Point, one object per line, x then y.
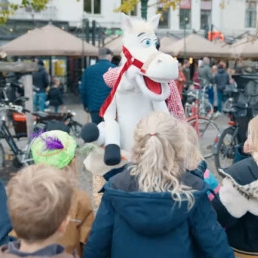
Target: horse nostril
{"type": "Point", "coordinates": [159, 61]}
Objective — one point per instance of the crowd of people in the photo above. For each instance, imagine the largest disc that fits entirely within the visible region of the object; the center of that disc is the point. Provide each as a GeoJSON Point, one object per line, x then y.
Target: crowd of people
{"type": "Point", "coordinates": [214, 78]}
{"type": "Point", "coordinates": [165, 202]}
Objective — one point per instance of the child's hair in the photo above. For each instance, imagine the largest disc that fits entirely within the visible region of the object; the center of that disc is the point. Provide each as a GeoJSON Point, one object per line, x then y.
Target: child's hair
{"type": "Point", "coordinates": [192, 148]}
{"type": "Point", "coordinates": [253, 136]}
{"type": "Point", "coordinates": [56, 148]}
{"type": "Point", "coordinates": [56, 80]}
{"type": "Point", "coordinates": [39, 199]}
{"type": "Point", "coordinates": [158, 156]}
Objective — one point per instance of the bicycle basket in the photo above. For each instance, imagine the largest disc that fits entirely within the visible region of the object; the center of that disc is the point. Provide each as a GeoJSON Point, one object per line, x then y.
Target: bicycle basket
{"type": "Point", "coordinates": [19, 124]}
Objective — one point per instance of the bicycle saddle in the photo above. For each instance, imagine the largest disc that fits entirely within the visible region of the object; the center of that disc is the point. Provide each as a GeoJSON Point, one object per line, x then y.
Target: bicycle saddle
{"type": "Point", "coordinates": [40, 114]}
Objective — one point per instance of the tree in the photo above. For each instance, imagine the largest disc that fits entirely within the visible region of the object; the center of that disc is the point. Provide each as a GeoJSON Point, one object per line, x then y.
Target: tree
{"type": "Point", "coordinates": [129, 5]}
{"type": "Point", "coordinates": [7, 9]}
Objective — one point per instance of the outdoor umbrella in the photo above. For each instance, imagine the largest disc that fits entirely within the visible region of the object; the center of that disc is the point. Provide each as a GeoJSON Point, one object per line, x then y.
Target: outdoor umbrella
{"type": "Point", "coordinates": [114, 43]}
{"type": "Point", "coordinates": [196, 46]}
{"type": "Point", "coordinates": [245, 48]}
{"type": "Point", "coordinates": [49, 41]}
{"type": "Point", "coordinates": [165, 42]}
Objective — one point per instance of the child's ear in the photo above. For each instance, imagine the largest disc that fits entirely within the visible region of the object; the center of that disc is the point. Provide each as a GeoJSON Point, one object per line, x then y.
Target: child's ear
{"type": "Point", "coordinates": [63, 225]}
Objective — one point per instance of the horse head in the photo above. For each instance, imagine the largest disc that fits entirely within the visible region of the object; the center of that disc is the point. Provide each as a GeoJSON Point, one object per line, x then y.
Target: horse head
{"type": "Point", "coordinates": [151, 70]}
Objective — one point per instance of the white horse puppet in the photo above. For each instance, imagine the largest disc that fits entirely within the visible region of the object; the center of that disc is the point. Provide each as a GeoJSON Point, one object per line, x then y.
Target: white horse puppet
{"type": "Point", "coordinates": [142, 87]}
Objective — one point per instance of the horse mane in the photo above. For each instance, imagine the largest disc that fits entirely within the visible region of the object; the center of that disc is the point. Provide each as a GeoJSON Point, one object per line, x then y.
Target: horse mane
{"type": "Point", "coordinates": [138, 26]}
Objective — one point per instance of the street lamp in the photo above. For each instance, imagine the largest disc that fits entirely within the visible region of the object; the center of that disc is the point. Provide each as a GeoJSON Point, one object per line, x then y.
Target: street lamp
{"type": "Point", "coordinates": [185, 21]}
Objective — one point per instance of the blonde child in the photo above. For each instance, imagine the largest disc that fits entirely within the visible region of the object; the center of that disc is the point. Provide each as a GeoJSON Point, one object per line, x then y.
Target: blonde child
{"type": "Point", "coordinates": [154, 208]}
{"type": "Point", "coordinates": [39, 200]}
{"type": "Point", "coordinates": [58, 149]}
{"type": "Point", "coordinates": [195, 163]}
{"type": "Point", "coordinates": [55, 95]}
{"type": "Point", "coordinates": [238, 211]}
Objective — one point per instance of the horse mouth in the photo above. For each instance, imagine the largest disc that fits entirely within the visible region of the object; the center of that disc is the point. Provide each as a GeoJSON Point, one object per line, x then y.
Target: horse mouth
{"type": "Point", "coordinates": [153, 86]}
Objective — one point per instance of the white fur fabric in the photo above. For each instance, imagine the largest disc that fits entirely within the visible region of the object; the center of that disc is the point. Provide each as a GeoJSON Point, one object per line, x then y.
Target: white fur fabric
{"type": "Point", "coordinates": [239, 199]}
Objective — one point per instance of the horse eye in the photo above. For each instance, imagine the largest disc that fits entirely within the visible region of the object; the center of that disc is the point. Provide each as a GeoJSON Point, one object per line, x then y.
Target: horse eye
{"type": "Point", "coordinates": [146, 42]}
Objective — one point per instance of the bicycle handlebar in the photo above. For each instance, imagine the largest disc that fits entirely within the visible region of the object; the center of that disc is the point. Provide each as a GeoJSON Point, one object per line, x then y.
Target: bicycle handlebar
{"type": "Point", "coordinates": [13, 107]}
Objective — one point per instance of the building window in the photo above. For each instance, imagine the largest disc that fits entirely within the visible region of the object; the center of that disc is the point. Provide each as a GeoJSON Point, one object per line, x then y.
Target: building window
{"type": "Point", "coordinates": [205, 19]}
{"type": "Point", "coordinates": [250, 14]}
{"type": "Point", "coordinates": [4, 4]}
{"type": "Point", "coordinates": [165, 16]}
{"type": "Point", "coordinates": [185, 19]}
{"type": "Point", "coordinates": [92, 6]}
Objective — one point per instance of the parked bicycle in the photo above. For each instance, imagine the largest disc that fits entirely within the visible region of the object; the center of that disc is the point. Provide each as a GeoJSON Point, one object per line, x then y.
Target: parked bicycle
{"type": "Point", "coordinates": [241, 107]}
{"type": "Point", "coordinates": [67, 118]}
{"type": "Point", "coordinates": [205, 108]}
{"type": "Point", "coordinates": [205, 127]}
{"type": "Point", "coordinates": [42, 119]}
{"type": "Point", "coordinates": [22, 156]}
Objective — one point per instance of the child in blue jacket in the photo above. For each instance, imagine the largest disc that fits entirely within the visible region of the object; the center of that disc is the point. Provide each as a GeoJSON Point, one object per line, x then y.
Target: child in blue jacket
{"type": "Point", "coordinates": [5, 222]}
{"type": "Point", "coordinates": [155, 208]}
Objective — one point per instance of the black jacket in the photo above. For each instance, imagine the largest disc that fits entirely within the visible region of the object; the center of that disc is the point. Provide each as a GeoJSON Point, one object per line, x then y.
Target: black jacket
{"type": "Point", "coordinates": [55, 97]}
{"type": "Point", "coordinates": [221, 79]}
{"type": "Point", "coordinates": [236, 194]}
{"type": "Point", "coordinates": [40, 79]}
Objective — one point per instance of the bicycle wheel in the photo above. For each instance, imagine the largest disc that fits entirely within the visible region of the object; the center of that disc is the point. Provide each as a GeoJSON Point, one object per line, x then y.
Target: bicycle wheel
{"type": "Point", "coordinates": [27, 158]}
{"type": "Point", "coordinates": [75, 128]}
{"type": "Point", "coordinates": [207, 131]}
{"type": "Point", "coordinates": [2, 156]}
{"type": "Point", "coordinates": [205, 109]}
{"type": "Point", "coordinates": [188, 110]}
{"type": "Point", "coordinates": [226, 148]}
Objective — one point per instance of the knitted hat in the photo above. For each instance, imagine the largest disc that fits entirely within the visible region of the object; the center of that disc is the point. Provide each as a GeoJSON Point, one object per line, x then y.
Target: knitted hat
{"type": "Point", "coordinates": [56, 148]}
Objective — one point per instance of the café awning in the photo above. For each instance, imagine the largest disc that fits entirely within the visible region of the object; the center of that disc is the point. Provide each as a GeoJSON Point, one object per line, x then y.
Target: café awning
{"type": "Point", "coordinates": [196, 46]}
{"type": "Point", "coordinates": [49, 41]}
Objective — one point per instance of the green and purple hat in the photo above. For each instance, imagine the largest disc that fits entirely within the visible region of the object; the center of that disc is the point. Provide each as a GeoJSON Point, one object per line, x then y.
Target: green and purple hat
{"type": "Point", "coordinates": [56, 148]}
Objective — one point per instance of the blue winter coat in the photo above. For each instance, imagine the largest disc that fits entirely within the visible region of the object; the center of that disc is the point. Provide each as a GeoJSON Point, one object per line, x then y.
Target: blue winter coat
{"type": "Point", "coordinates": [134, 224]}
{"type": "Point", "coordinates": [93, 88]}
{"type": "Point", "coordinates": [5, 222]}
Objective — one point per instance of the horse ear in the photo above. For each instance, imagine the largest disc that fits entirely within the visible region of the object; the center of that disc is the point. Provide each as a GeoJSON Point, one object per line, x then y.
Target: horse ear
{"type": "Point", "coordinates": [154, 21]}
{"type": "Point", "coordinates": [126, 22]}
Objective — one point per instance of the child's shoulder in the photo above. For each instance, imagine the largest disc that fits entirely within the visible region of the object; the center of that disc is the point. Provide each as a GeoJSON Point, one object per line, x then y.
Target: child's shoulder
{"type": "Point", "coordinates": [82, 196]}
{"type": "Point", "coordinates": [82, 202]}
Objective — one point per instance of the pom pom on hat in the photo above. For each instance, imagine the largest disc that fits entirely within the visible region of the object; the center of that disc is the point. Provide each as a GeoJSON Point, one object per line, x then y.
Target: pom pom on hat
{"type": "Point", "coordinates": [56, 148]}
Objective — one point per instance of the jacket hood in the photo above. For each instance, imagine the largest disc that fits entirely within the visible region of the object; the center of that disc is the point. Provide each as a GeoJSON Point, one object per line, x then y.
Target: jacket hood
{"type": "Point", "coordinates": [5, 254]}
{"type": "Point", "coordinates": [150, 213]}
{"type": "Point", "coordinates": [221, 70]}
{"type": "Point", "coordinates": [41, 68]}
